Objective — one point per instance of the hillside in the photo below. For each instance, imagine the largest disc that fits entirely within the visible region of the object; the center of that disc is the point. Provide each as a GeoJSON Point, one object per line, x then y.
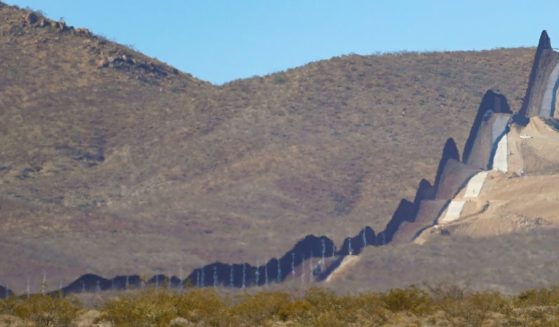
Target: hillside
{"type": "Point", "coordinates": [497, 227]}
{"type": "Point", "coordinates": [112, 162]}
{"type": "Point", "coordinates": [509, 263]}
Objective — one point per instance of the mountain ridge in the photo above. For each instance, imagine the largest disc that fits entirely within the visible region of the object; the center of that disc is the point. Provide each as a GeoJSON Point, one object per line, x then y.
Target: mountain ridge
{"type": "Point", "coordinates": [149, 168]}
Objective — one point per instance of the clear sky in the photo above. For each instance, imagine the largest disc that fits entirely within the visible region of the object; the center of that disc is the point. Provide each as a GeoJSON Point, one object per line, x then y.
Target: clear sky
{"type": "Point", "coordinates": [223, 40]}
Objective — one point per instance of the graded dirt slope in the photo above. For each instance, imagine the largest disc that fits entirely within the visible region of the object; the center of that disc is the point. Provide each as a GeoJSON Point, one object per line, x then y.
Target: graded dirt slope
{"type": "Point", "coordinates": [525, 198]}
{"type": "Point", "coordinates": [503, 237]}
{"type": "Point", "coordinates": [112, 162]}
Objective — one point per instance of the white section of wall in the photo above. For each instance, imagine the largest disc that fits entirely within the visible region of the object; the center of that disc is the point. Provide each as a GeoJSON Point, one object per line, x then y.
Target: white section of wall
{"type": "Point", "coordinates": [453, 211]}
{"type": "Point", "coordinates": [475, 184]}
{"type": "Point", "coordinates": [547, 105]}
{"type": "Point", "coordinates": [501, 155]}
{"type": "Point", "coordinates": [499, 126]}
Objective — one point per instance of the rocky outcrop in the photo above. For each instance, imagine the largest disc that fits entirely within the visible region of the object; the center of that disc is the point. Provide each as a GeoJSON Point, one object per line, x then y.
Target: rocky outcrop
{"type": "Point", "coordinates": [31, 18]}
{"type": "Point", "coordinates": [37, 20]}
{"type": "Point", "coordinates": [83, 32]}
{"type": "Point", "coordinates": [127, 62]}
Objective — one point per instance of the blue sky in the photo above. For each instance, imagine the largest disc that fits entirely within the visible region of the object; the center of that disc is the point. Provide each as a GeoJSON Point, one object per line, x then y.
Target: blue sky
{"type": "Point", "coordinates": [223, 40]}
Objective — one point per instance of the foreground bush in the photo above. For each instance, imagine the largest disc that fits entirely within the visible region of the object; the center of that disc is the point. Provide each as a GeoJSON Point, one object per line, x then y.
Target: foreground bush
{"type": "Point", "coordinates": [159, 307]}
{"type": "Point", "coordinates": [42, 310]}
{"type": "Point", "coordinates": [450, 306]}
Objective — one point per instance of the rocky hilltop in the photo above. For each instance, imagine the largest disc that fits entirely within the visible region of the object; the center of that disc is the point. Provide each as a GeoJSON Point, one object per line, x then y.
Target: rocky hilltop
{"type": "Point", "coordinates": [114, 163]}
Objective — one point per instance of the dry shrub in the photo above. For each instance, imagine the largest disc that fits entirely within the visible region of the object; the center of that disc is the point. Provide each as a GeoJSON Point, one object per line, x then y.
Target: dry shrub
{"type": "Point", "coordinates": [535, 297]}
{"type": "Point", "coordinates": [440, 306]}
{"type": "Point", "coordinates": [367, 307]}
{"type": "Point", "coordinates": [325, 319]}
{"type": "Point", "coordinates": [295, 310]}
{"type": "Point", "coordinates": [158, 307]}
{"type": "Point", "coordinates": [411, 299]}
{"type": "Point", "coordinates": [480, 306]}
{"type": "Point", "coordinates": [323, 299]}
{"type": "Point", "coordinates": [470, 308]}
{"type": "Point", "coordinates": [146, 308]}
{"type": "Point", "coordinates": [42, 310]}
{"type": "Point", "coordinates": [204, 305]}
{"type": "Point", "coordinates": [262, 307]}
{"type": "Point", "coordinates": [448, 299]}
{"type": "Point", "coordinates": [488, 301]}
{"type": "Point", "coordinates": [322, 307]}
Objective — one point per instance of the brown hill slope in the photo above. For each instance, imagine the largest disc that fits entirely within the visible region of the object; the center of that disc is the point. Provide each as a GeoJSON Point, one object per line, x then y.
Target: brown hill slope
{"type": "Point", "coordinates": [504, 237]}
{"type": "Point", "coordinates": [112, 162]}
{"type": "Point", "coordinates": [509, 263]}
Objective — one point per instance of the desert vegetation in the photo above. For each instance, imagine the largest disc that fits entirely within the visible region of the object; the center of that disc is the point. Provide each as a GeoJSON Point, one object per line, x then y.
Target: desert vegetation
{"type": "Point", "coordinates": [135, 157]}
{"type": "Point", "coordinates": [436, 306]}
{"type": "Point", "coordinates": [147, 168]}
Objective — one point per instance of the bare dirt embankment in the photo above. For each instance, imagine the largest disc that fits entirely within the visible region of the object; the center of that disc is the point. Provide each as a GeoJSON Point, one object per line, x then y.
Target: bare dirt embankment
{"type": "Point", "coordinates": [504, 237]}
{"type": "Point", "coordinates": [524, 198]}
